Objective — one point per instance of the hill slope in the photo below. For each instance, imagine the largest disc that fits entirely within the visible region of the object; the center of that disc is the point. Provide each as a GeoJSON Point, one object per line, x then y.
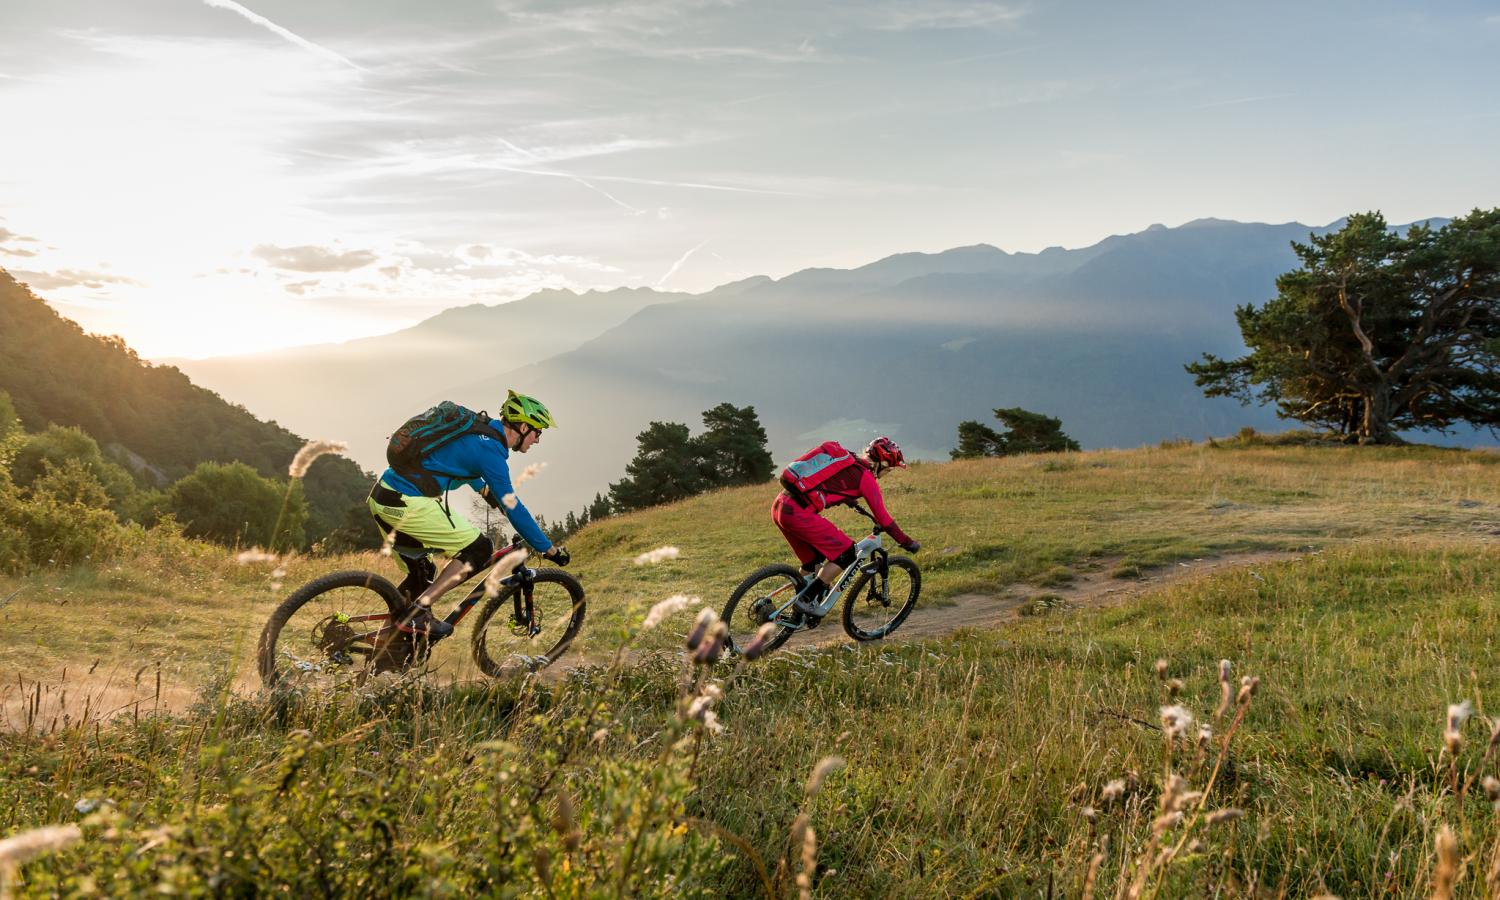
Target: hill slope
{"type": "Point", "coordinates": [56, 373]}
{"type": "Point", "coordinates": [1003, 763]}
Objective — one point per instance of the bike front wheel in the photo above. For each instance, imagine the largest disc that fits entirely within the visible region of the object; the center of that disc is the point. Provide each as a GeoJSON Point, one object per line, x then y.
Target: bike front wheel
{"type": "Point", "coordinates": [334, 626]}
{"type": "Point", "coordinates": [755, 600]}
{"type": "Point", "coordinates": [878, 602]}
{"type": "Point", "coordinates": [511, 636]}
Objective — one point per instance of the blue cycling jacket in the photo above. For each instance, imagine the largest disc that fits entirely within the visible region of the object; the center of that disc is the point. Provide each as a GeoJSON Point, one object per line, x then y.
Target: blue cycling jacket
{"type": "Point", "coordinates": [476, 460]}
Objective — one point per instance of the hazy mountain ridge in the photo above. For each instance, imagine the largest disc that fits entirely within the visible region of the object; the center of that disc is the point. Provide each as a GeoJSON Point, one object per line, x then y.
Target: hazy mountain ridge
{"type": "Point", "coordinates": [907, 345]}
{"type": "Point", "coordinates": [359, 391]}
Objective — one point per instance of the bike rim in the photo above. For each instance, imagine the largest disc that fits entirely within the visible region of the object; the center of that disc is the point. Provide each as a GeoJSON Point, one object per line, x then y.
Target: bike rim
{"type": "Point", "coordinates": [881, 602]}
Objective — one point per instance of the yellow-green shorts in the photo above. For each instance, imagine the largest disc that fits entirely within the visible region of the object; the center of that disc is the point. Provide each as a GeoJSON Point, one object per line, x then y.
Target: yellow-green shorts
{"type": "Point", "coordinates": [419, 524]}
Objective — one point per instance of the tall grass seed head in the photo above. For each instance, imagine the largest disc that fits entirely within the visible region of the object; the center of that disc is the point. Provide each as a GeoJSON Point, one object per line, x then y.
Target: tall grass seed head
{"type": "Point", "coordinates": [1160, 667]}
{"type": "Point", "coordinates": [311, 451]}
{"type": "Point", "coordinates": [1248, 686]}
{"type": "Point", "coordinates": [665, 608]}
{"type": "Point", "coordinates": [822, 770]}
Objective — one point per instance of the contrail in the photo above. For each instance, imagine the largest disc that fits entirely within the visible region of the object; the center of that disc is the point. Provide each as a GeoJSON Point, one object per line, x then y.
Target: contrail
{"type": "Point", "coordinates": [591, 186]}
{"type": "Point", "coordinates": [266, 23]}
{"type": "Point", "coordinates": [677, 265]}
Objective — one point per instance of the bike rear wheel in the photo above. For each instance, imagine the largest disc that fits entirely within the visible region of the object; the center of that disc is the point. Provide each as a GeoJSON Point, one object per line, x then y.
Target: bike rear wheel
{"type": "Point", "coordinates": [878, 602]}
{"type": "Point", "coordinates": [504, 643]}
{"type": "Point", "coordinates": [750, 603]}
{"type": "Point", "coordinates": [332, 627]}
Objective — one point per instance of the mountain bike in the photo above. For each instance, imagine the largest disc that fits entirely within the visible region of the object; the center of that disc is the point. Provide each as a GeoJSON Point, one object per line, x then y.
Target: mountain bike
{"type": "Point", "coordinates": [878, 590]}
{"type": "Point", "coordinates": [346, 624]}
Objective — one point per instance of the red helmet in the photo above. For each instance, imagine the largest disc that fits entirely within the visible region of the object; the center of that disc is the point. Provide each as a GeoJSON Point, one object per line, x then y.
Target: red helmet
{"type": "Point", "coordinates": [884, 452]}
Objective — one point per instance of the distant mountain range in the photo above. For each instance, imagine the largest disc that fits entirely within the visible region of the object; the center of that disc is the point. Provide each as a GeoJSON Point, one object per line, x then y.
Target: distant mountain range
{"type": "Point", "coordinates": [907, 346]}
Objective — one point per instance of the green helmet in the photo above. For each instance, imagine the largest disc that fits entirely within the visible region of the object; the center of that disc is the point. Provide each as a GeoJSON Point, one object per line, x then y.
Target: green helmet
{"type": "Point", "coordinates": [521, 408]}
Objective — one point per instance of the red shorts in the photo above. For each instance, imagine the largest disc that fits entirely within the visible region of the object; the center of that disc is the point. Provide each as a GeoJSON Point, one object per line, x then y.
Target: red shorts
{"type": "Point", "coordinates": [810, 535]}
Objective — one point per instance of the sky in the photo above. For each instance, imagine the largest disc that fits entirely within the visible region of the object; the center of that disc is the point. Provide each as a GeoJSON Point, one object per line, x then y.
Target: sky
{"type": "Point", "coordinates": [206, 177]}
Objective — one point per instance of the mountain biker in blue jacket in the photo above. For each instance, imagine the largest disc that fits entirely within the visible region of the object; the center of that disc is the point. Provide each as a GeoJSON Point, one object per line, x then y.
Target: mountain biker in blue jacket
{"type": "Point", "coordinates": [417, 524]}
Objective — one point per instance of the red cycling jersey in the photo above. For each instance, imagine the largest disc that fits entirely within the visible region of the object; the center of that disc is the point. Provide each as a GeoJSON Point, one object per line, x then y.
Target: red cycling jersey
{"type": "Point", "coordinates": [811, 535]}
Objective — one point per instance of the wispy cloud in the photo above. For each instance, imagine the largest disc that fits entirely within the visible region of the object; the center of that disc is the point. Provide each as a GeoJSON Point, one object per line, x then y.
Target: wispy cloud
{"type": "Point", "coordinates": [70, 278]}
{"type": "Point", "coordinates": [314, 259]}
{"type": "Point", "coordinates": [678, 264]}
{"type": "Point", "coordinates": [583, 181]}
{"type": "Point", "coordinates": [267, 24]}
{"type": "Point", "coordinates": [930, 14]}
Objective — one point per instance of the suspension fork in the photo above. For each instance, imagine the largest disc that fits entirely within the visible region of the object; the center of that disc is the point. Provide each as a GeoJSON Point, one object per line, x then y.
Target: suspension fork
{"type": "Point", "coordinates": [524, 608]}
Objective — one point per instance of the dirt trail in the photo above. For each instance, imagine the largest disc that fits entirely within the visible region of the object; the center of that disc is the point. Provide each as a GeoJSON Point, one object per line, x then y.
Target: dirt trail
{"type": "Point", "coordinates": [1090, 588]}
{"type": "Point", "coordinates": [95, 696]}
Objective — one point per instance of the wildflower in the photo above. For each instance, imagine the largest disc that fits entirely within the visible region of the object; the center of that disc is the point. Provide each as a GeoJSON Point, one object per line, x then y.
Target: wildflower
{"type": "Point", "coordinates": [388, 543]}
{"type": "Point", "coordinates": [254, 555]}
{"type": "Point", "coordinates": [665, 608]}
{"type": "Point", "coordinates": [1174, 686]}
{"type": "Point", "coordinates": [1248, 686]}
{"type": "Point", "coordinates": [1228, 814]}
{"type": "Point", "coordinates": [1458, 714]}
{"type": "Point", "coordinates": [1492, 789]}
{"type": "Point", "coordinates": [530, 472]}
{"type": "Point", "coordinates": [713, 645]}
{"type": "Point", "coordinates": [1175, 720]}
{"type": "Point", "coordinates": [705, 621]}
{"type": "Point", "coordinates": [599, 736]}
{"type": "Point", "coordinates": [660, 554]}
{"type": "Point", "coordinates": [825, 766]}
{"type": "Point", "coordinates": [1161, 669]}
{"type": "Point", "coordinates": [311, 451]}
{"type": "Point", "coordinates": [756, 646]}
{"type": "Point", "coordinates": [1205, 734]}
{"type": "Point", "coordinates": [1113, 791]}
{"type": "Point", "coordinates": [1088, 812]}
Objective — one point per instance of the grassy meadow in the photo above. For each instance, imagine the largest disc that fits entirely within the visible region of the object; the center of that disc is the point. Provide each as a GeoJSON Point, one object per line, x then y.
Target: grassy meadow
{"type": "Point", "coordinates": [1032, 760]}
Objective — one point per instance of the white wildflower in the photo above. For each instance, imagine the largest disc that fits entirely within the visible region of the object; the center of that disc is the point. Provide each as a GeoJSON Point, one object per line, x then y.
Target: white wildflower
{"type": "Point", "coordinates": [255, 555]}
{"type": "Point", "coordinates": [1113, 791]}
{"type": "Point", "coordinates": [1175, 720]}
{"type": "Point", "coordinates": [660, 554]}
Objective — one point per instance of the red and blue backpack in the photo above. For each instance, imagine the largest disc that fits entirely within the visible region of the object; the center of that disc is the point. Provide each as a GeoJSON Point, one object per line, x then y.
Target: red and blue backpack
{"type": "Point", "coordinates": [804, 475]}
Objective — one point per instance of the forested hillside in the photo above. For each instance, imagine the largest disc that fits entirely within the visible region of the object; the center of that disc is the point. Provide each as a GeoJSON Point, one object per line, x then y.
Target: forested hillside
{"type": "Point", "coordinates": [151, 419]}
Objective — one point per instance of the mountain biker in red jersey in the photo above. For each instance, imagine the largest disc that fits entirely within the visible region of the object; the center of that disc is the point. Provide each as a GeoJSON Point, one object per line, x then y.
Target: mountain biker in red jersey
{"type": "Point", "coordinates": [797, 513]}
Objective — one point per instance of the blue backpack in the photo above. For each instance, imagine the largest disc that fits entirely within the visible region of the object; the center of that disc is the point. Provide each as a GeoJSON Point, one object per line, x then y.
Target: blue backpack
{"type": "Point", "coordinates": [423, 434]}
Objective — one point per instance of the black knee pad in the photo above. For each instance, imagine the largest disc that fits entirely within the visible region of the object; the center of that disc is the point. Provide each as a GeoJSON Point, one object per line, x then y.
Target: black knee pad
{"type": "Point", "coordinates": [847, 558]}
{"type": "Point", "coordinates": [478, 553]}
